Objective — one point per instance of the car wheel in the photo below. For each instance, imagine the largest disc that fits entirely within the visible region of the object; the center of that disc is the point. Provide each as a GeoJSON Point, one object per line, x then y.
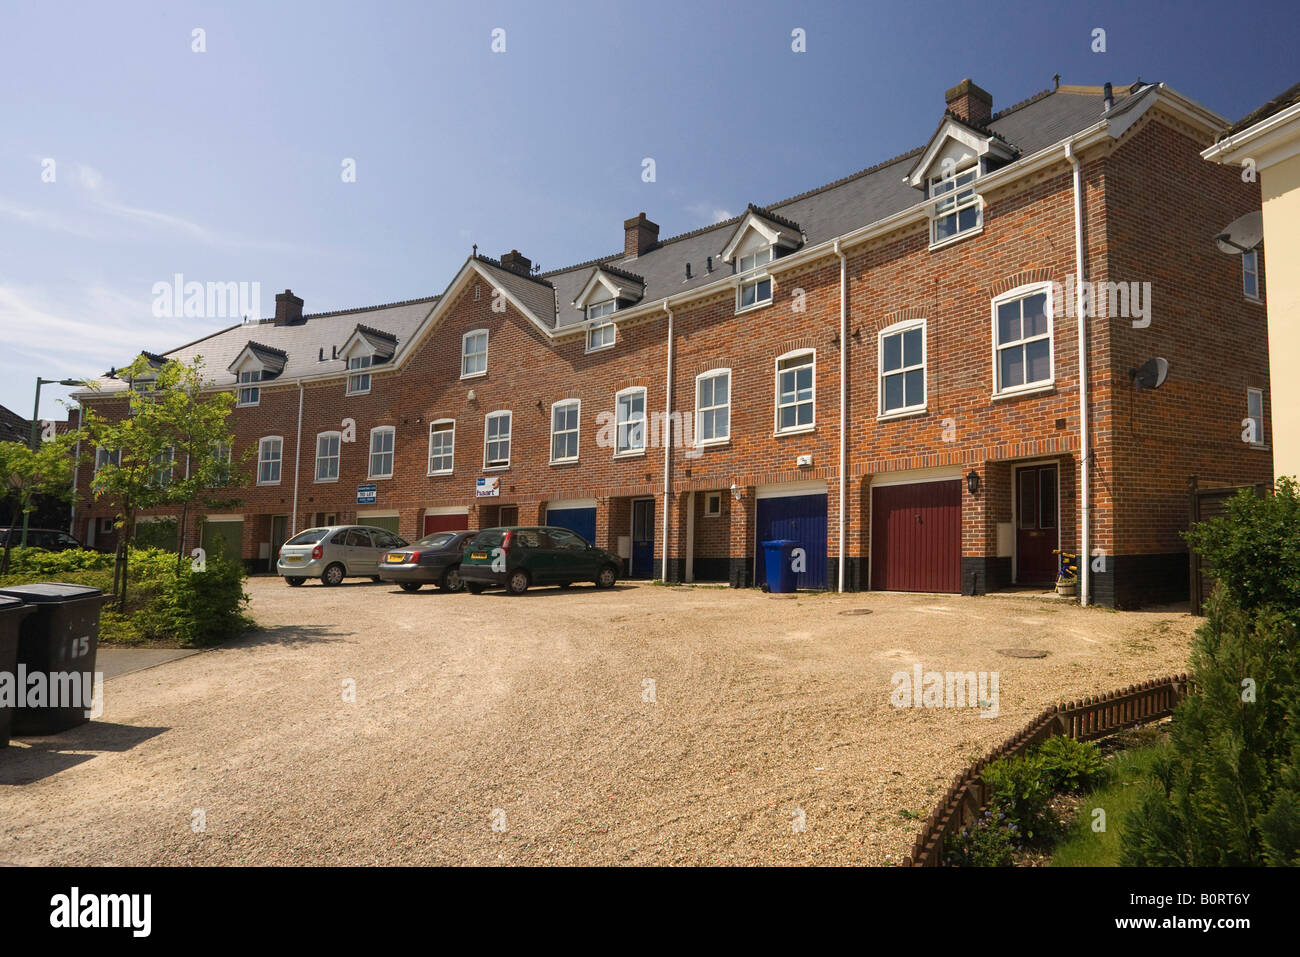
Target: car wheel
{"type": "Point", "coordinates": [293, 580]}
{"type": "Point", "coordinates": [375, 578]}
{"type": "Point", "coordinates": [410, 586]}
{"type": "Point", "coordinates": [607, 577]}
{"type": "Point", "coordinates": [451, 579]}
{"type": "Point", "coordinates": [474, 588]}
{"type": "Point", "coordinates": [517, 583]}
{"type": "Point", "coordinates": [333, 575]}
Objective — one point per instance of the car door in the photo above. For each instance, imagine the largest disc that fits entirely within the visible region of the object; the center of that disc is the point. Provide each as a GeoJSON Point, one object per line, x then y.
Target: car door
{"type": "Point", "coordinates": [571, 557]}
{"type": "Point", "coordinates": [361, 553]}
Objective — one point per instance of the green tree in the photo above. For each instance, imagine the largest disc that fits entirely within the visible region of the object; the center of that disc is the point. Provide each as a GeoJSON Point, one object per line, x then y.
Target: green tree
{"type": "Point", "coordinates": [26, 473]}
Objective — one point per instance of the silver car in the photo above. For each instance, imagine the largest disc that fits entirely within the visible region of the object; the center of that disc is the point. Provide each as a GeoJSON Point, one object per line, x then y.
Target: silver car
{"type": "Point", "coordinates": [334, 553]}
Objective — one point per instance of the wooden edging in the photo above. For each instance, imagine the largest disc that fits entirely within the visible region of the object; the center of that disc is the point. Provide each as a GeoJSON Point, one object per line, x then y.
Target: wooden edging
{"type": "Point", "coordinates": [1083, 720]}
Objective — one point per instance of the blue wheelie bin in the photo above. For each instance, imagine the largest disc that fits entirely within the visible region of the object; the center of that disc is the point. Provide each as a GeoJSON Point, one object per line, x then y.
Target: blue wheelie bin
{"type": "Point", "coordinates": [779, 565]}
{"type": "Point", "coordinates": [12, 612]}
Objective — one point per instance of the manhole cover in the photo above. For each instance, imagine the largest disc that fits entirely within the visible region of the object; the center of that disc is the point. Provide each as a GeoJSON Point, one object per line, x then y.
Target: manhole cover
{"type": "Point", "coordinates": [1022, 653]}
{"type": "Point", "coordinates": [856, 611]}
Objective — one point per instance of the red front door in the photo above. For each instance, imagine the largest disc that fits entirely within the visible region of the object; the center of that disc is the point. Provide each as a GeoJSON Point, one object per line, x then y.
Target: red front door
{"type": "Point", "coordinates": [1036, 518]}
{"type": "Point", "coordinates": [445, 523]}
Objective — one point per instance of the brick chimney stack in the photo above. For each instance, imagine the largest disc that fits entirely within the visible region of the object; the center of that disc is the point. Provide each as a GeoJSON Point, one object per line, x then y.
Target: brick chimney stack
{"type": "Point", "coordinates": [972, 104]}
{"type": "Point", "coordinates": [288, 308]}
{"type": "Point", "coordinates": [639, 236]}
{"type": "Point", "coordinates": [516, 261]}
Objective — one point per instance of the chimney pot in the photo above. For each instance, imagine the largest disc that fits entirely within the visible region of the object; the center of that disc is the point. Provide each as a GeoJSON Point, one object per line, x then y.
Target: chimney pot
{"type": "Point", "coordinates": [970, 102]}
{"type": "Point", "coordinates": [515, 261]}
{"type": "Point", "coordinates": [288, 308]}
{"type": "Point", "coordinates": [640, 236]}
{"type": "Point", "coordinates": [1108, 97]}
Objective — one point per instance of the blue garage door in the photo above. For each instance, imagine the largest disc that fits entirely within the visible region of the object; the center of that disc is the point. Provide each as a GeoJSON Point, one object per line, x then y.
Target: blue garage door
{"type": "Point", "coordinates": [580, 520]}
{"type": "Point", "coordinates": [800, 518]}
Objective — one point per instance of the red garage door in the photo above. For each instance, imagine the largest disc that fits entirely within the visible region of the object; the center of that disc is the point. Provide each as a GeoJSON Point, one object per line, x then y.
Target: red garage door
{"type": "Point", "coordinates": [916, 537]}
{"type": "Point", "coordinates": [445, 523]}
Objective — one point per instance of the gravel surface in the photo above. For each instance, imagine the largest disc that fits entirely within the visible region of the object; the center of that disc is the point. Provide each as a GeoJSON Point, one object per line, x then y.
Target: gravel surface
{"type": "Point", "coordinates": [489, 729]}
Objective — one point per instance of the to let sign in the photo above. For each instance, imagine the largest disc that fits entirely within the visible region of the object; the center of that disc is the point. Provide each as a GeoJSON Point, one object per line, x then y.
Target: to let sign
{"type": "Point", "coordinates": [367, 494]}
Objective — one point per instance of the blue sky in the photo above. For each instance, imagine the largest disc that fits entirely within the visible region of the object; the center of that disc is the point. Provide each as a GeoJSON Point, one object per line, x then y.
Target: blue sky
{"type": "Point", "coordinates": [225, 165]}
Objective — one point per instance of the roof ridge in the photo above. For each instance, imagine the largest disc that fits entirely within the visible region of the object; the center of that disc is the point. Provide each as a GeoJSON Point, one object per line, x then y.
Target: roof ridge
{"type": "Point", "coordinates": [1022, 104]}
{"type": "Point", "coordinates": [621, 273]}
{"type": "Point", "coordinates": [339, 312]}
{"type": "Point", "coordinates": [265, 348]}
{"type": "Point", "coordinates": [773, 217]}
{"type": "Point", "coordinates": [379, 332]}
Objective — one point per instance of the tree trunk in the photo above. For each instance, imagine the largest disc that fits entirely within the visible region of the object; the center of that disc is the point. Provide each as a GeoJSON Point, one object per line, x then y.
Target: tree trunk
{"type": "Point", "coordinates": [180, 537]}
{"type": "Point", "coordinates": [9, 542]}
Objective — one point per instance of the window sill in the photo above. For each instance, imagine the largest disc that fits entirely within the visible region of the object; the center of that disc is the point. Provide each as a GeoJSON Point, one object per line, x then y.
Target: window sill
{"type": "Point", "coordinates": [496, 468]}
{"type": "Point", "coordinates": [323, 481]}
{"type": "Point", "coordinates": [958, 238]}
{"type": "Point", "coordinates": [247, 405]}
{"type": "Point", "coordinates": [351, 394]}
{"type": "Point", "coordinates": [802, 430]}
{"type": "Point", "coordinates": [712, 444]}
{"type": "Point", "coordinates": [902, 414]}
{"type": "Point", "coordinates": [638, 454]}
{"type": "Point", "coordinates": [564, 461]}
{"type": "Point", "coordinates": [1257, 300]}
{"type": "Point", "coordinates": [440, 472]}
{"type": "Point", "coordinates": [755, 307]}
{"type": "Point", "coordinates": [261, 484]}
{"type": "Point", "coordinates": [474, 375]}
{"type": "Point", "coordinates": [378, 478]}
{"type": "Point", "coordinates": [587, 352]}
{"type": "Point", "coordinates": [1017, 393]}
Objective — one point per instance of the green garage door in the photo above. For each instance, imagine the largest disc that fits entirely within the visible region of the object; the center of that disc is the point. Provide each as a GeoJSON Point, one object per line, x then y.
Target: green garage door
{"type": "Point", "coordinates": [156, 534]}
{"type": "Point", "coordinates": [386, 522]}
{"type": "Point", "coordinates": [224, 538]}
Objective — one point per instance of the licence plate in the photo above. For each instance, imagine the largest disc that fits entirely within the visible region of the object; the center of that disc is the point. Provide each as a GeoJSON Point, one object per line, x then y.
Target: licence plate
{"type": "Point", "coordinates": [395, 559]}
{"type": "Point", "coordinates": [293, 559]}
{"type": "Point", "coordinates": [478, 556]}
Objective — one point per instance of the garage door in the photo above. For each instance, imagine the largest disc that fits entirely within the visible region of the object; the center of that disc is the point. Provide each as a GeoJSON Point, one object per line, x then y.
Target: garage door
{"type": "Point", "coordinates": [800, 518]}
{"type": "Point", "coordinates": [386, 522]}
{"type": "Point", "coordinates": [446, 523]}
{"type": "Point", "coordinates": [156, 534]}
{"type": "Point", "coordinates": [224, 538]}
{"type": "Point", "coordinates": [576, 518]}
{"type": "Point", "coordinates": [916, 537]}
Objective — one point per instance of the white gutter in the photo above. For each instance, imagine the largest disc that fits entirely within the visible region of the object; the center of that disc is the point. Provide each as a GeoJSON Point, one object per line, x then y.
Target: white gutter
{"type": "Point", "coordinates": [297, 456]}
{"type": "Point", "coordinates": [844, 402]}
{"type": "Point", "coordinates": [1085, 452]}
{"type": "Point", "coordinates": [667, 440]}
{"type": "Point", "coordinates": [76, 471]}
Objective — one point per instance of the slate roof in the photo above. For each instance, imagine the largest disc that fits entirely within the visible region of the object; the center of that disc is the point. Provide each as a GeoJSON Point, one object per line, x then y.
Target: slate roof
{"type": "Point", "coordinates": [13, 427]}
{"type": "Point", "coordinates": [1287, 98]}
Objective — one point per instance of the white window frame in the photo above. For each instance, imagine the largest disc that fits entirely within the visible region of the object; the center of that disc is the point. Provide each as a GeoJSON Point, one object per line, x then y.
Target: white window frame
{"type": "Point", "coordinates": [337, 456]}
{"type": "Point", "coordinates": [751, 263]}
{"type": "Point", "coordinates": [450, 453]}
{"type": "Point", "coordinates": [712, 504]}
{"type": "Point", "coordinates": [598, 311]}
{"type": "Point", "coordinates": [1259, 442]}
{"type": "Point", "coordinates": [630, 422]}
{"type": "Point", "coordinates": [262, 459]}
{"type": "Point", "coordinates": [953, 193]}
{"type": "Point", "coordinates": [465, 354]}
{"type": "Point", "coordinates": [163, 461]}
{"type": "Point", "coordinates": [779, 405]}
{"type": "Point", "coordinates": [1024, 292]}
{"type": "Point", "coordinates": [255, 388]}
{"type": "Point", "coordinates": [221, 452]}
{"type": "Point", "coordinates": [508, 439]}
{"type": "Point", "coordinates": [103, 457]}
{"type": "Point", "coordinates": [391, 453]}
{"type": "Point", "coordinates": [359, 381]}
{"type": "Point", "coordinates": [1250, 269]}
{"type": "Point", "coordinates": [898, 329]}
{"type": "Point", "coordinates": [576, 431]}
{"type": "Point", "coordinates": [701, 410]}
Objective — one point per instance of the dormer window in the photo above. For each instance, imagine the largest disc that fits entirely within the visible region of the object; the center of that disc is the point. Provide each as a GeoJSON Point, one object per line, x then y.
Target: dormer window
{"type": "Point", "coordinates": [958, 209]}
{"type": "Point", "coordinates": [600, 332]}
{"type": "Point", "coordinates": [606, 290]}
{"type": "Point", "coordinates": [757, 291]}
{"type": "Point", "coordinates": [249, 392]}
{"type": "Point", "coordinates": [358, 380]}
{"type": "Point", "coordinates": [755, 259]}
{"type": "Point", "coordinates": [760, 238]}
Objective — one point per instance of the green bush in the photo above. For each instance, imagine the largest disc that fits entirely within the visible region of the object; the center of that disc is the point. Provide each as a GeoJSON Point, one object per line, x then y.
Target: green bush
{"type": "Point", "coordinates": [1253, 549]}
{"type": "Point", "coordinates": [989, 842]}
{"type": "Point", "coordinates": [1071, 765]}
{"type": "Point", "coordinates": [1020, 788]}
{"type": "Point", "coordinates": [163, 605]}
{"type": "Point", "coordinates": [1228, 791]}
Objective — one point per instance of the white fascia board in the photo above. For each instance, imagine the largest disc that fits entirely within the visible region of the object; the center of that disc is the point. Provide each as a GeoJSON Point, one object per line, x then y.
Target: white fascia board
{"type": "Point", "coordinates": [1266, 142]}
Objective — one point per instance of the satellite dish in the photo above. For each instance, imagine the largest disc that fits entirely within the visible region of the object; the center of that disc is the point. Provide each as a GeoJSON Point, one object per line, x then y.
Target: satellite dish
{"type": "Point", "coordinates": [1242, 234]}
{"type": "Point", "coordinates": [1151, 375]}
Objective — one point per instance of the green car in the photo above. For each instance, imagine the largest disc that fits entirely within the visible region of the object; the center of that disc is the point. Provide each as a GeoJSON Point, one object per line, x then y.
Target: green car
{"type": "Point", "coordinates": [517, 558]}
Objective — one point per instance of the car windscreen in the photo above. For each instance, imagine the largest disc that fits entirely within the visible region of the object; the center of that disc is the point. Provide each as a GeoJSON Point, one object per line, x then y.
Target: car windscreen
{"type": "Point", "coordinates": [489, 538]}
{"type": "Point", "coordinates": [309, 537]}
{"type": "Point", "coordinates": [437, 539]}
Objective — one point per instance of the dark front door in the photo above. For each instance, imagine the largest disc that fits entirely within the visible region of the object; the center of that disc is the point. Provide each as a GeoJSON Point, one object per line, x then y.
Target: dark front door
{"type": "Point", "coordinates": [1036, 518]}
{"type": "Point", "coordinates": [509, 515]}
{"type": "Point", "coordinates": [643, 538]}
{"type": "Point", "coordinates": [278, 525]}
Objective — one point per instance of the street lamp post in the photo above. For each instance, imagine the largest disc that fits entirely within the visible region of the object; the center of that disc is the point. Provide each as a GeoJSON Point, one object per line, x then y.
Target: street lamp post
{"type": "Point", "coordinates": [35, 436]}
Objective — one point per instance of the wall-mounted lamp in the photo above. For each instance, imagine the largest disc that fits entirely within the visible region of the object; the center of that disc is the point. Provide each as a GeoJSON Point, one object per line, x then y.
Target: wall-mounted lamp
{"type": "Point", "coordinates": [973, 482]}
{"type": "Point", "coordinates": [735, 492]}
{"type": "Point", "coordinates": [471, 397]}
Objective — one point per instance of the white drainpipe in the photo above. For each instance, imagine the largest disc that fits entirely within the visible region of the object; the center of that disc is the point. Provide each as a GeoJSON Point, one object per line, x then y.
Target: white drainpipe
{"type": "Point", "coordinates": [667, 440]}
{"type": "Point", "coordinates": [1085, 558]}
{"type": "Point", "coordinates": [844, 404]}
{"type": "Point", "coordinates": [297, 456]}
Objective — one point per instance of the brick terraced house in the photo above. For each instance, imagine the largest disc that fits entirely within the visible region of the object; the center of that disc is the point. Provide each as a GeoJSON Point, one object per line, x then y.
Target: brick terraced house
{"type": "Point", "coordinates": [886, 368]}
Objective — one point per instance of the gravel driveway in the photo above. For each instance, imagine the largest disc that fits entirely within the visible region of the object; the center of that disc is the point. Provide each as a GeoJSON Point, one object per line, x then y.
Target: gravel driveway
{"type": "Point", "coordinates": [646, 725]}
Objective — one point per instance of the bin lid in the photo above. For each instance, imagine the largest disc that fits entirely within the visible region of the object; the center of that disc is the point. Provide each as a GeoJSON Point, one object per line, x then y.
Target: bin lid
{"type": "Point", "coordinates": [780, 543]}
{"type": "Point", "coordinates": [9, 604]}
{"type": "Point", "coordinates": [42, 593]}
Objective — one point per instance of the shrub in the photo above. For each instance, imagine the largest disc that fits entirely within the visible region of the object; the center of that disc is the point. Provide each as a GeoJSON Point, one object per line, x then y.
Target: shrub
{"type": "Point", "coordinates": [199, 608]}
{"type": "Point", "coordinates": [1019, 788]}
{"type": "Point", "coordinates": [989, 842]}
{"type": "Point", "coordinates": [1253, 549]}
{"type": "Point", "coordinates": [1069, 764]}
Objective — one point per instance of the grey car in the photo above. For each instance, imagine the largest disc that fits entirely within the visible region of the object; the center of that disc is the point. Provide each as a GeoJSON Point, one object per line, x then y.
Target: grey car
{"type": "Point", "coordinates": [335, 552]}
